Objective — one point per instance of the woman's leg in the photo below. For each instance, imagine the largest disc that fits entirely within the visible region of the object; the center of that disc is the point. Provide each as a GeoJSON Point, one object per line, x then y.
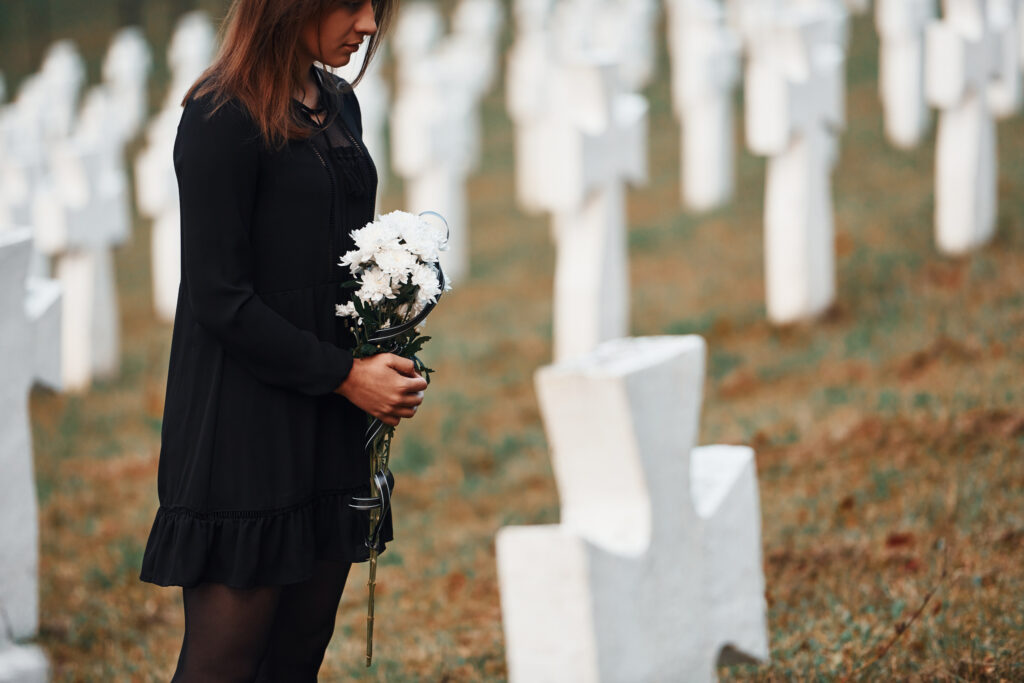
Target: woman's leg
{"type": "Point", "coordinates": [226, 632]}
{"type": "Point", "coordinates": [304, 624]}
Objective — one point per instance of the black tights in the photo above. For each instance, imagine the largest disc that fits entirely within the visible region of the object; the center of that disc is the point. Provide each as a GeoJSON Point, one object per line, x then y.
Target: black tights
{"type": "Point", "coordinates": [261, 634]}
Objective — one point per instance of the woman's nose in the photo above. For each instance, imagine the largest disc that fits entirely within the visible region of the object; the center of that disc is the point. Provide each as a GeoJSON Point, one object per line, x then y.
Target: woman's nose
{"type": "Point", "coordinates": [366, 23]}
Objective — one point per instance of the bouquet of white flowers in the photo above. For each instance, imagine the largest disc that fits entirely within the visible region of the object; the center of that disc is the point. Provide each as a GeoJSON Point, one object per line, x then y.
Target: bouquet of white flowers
{"type": "Point", "coordinates": [397, 283]}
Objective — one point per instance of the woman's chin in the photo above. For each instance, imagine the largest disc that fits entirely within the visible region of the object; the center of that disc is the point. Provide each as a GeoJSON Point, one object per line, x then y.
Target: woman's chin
{"type": "Point", "coordinates": [339, 61]}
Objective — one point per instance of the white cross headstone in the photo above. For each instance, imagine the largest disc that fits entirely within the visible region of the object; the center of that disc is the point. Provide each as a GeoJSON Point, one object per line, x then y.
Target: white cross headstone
{"type": "Point", "coordinates": [1020, 35]}
{"type": "Point", "coordinates": [156, 195]}
{"type": "Point", "coordinates": [744, 16]}
{"type": "Point", "coordinates": [79, 208]}
{"type": "Point", "coordinates": [633, 23]}
{"type": "Point", "coordinates": [374, 104]}
{"type": "Point", "coordinates": [705, 57]}
{"type": "Point", "coordinates": [156, 185]}
{"type": "Point", "coordinates": [794, 110]}
{"type": "Point", "coordinates": [962, 63]}
{"type": "Point", "coordinates": [478, 24]}
{"type": "Point", "coordinates": [464, 59]}
{"type": "Point", "coordinates": [1005, 95]}
{"type": "Point", "coordinates": [44, 116]}
{"type": "Point", "coordinates": [527, 82]}
{"type": "Point", "coordinates": [622, 29]}
{"type": "Point", "coordinates": [125, 72]}
{"type": "Point", "coordinates": [30, 332]}
{"type": "Point", "coordinates": [901, 25]}
{"type": "Point", "coordinates": [6, 200]}
{"type": "Point", "coordinates": [63, 72]}
{"type": "Point", "coordinates": [656, 564]}
{"type": "Point", "coordinates": [24, 150]}
{"type": "Point", "coordinates": [595, 137]}
{"type": "Point", "coordinates": [433, 129]}
{"type": "Point", "coordinates": [82, 216]}
{"type": "Point", "coordinates": [189, 53]}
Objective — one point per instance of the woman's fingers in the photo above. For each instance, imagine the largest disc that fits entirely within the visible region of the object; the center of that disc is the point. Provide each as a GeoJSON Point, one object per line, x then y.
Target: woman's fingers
{"type": "Point", "coordinates": [415, 384]}
{"type": "Point", "coordinates": [409, 400]}
{"type": "Point", "coordinates": [404, 366]}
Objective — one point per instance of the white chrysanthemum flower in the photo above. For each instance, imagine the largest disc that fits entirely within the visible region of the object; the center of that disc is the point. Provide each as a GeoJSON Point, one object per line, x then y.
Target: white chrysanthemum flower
{"type": "Point", "coordinates": [425, 278]}
{"type": "Point", "coordinates": [347, 311]}
{"type": "Point", "coordinates": [356, 260]}
{"type": "Point", "coordinates": [376, 286]}
{"type": "Point", "coordinates": [403, 223]}
{"type": "Point", "coordinates": [397, 262]}
{"type": "Point", "coordinates": [423, 246]}
{"type": "Point", "coordinates": [376, 235]}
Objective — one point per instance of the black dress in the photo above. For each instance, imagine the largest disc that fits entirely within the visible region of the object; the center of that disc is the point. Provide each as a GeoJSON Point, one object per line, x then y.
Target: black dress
{"type": "Point", "coordinates": [259, 458]}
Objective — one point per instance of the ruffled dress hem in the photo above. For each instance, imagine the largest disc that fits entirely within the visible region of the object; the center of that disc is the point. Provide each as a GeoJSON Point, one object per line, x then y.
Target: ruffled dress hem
{"type": "Point", "coordinates": [243, 549]}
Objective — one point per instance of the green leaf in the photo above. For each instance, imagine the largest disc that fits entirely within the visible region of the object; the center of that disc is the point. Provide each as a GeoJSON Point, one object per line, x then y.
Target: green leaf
{"type": "Point", "coordinates": [365, 350]}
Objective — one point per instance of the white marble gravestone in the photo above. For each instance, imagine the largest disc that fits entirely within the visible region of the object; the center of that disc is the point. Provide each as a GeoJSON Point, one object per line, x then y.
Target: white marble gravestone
{"type": "Point", "coordinates": [30, 331]}
{"type": "Point", "coordinates": [374, 105]}
{"type": "Point", "coordinates": [1020, 34]}
{"type": "Point", "coordinates": [633, 23]}
{"type": "Point", "coordinates": [82, 216]}
{"type": "Point", "coordinates": [6, 200]}
{"type": "Point", "coordinates": [656, 564]}
{"type": "Point", "coordinates": [79, 208]}
{"type": "Point", "coordinates": [470, 55]}
{"type": "Point", "coordinates": [126, 69]}
{"type": "Point", "coordinates": [962, 64]}
{"type": "Point", "coordinates": [156, 195]}
{"type": "Point", "coordinates": [1005, 95]}
{"type": "Point", "coordinates": [527, 81]}
{"type": "Point", "coordinates": [63, 72]}
{"type": "Point", "coordinates": [433, 129]}
{"type": "Point", "coordinates": [595, 137]}
{"type": "Point", "coordinates": [622, 29]}
{"type": "Point", "coordinates": [189, 53]}
{"type": "Point", "coordinates": [705, 56]}
{"type": "Point", "coordinates": [156, 186]}
{"type": "Point", "coordinates": [478, 24]}
{"type": "Point", "coordinates": [794, 110]}
{"type": "Point", "coordinates": [23, 162]}
{"type": "Point", "coordinates": [901, 25]}
{"type": "Point", "coordinates": [44, 115]}
{"type": "Point", "coordinates": [744, 16]}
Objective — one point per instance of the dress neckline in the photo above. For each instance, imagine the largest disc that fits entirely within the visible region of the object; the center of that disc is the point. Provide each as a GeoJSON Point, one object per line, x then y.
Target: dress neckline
{"type": "Point", "coordinates": [321, 96]}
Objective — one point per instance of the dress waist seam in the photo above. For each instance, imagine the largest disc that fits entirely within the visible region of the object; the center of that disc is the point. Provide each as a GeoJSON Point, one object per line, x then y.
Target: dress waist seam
{"type": "Point", "coordinates": [183, 511]}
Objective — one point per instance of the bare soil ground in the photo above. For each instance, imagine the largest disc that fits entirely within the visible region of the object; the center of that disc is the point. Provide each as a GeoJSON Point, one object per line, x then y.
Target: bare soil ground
{"type": "Point", "coordinates": [889, 434]}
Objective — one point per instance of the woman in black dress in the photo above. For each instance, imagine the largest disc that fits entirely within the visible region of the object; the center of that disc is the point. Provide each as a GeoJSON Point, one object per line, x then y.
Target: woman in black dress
{"type": "Point", "coordinates": [261, 445]}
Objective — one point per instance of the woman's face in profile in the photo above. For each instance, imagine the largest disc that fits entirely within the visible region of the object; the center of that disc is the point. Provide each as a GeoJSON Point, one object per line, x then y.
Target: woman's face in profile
{"type": "Point", "coordinates": [340, 33]}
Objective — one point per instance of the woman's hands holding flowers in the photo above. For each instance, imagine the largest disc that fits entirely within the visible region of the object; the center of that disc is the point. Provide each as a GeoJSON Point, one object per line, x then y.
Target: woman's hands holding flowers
{"type": "Point", "coordinates": [385, 385]}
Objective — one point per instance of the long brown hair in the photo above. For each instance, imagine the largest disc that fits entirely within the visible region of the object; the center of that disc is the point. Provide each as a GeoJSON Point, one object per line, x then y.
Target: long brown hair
{"type": "Point", "coordinates": [258, 61]}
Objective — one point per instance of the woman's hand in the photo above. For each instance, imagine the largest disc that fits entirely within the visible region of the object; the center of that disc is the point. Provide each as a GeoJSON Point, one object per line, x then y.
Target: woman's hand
{"type": "Point", "coordinates": [386, 386]}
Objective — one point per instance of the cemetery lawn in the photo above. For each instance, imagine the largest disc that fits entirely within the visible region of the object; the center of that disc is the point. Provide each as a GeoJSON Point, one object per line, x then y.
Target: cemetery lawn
{"type": "Point", "coordinates": [889, 435]}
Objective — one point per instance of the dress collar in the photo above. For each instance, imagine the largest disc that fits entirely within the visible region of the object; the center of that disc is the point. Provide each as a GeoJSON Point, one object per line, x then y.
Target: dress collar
{"type": "Point", "coordinates": [322, 94]}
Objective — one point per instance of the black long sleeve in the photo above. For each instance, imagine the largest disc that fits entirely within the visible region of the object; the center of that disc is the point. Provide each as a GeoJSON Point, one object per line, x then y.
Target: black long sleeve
{"type": "Point", "coordinates": [216, 159]}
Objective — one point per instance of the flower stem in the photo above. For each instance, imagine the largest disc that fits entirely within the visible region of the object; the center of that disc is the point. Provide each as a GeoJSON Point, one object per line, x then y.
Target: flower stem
{"type": "Point", "coordinates": [371, 584]}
